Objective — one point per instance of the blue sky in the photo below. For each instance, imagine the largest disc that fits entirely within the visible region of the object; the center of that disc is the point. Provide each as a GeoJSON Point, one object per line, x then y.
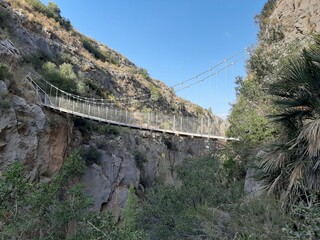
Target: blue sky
{"type": "Point", "coordinates": [174, 39]}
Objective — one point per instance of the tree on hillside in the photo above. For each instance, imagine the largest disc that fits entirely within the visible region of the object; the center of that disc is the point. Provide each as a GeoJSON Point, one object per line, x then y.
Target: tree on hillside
{"type": "Point", "coordinates": [54, 10]}
{"type": "Point", "coordinates": [292, 169]}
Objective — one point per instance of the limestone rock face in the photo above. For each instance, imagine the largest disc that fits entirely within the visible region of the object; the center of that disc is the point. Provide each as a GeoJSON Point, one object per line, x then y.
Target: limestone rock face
{"type": "Point", "coordinates": [298, 17]}
{"type": "Point", "coordinates": [41, 139]}
{"type": "Point", "coordinates": [8, 52]}
{"type": "Point", "coordinates": [27, 135]}
{"type": "Point", "coordinates": [252, 187]}
{"type": "Point", "coordinates": [108, 182]}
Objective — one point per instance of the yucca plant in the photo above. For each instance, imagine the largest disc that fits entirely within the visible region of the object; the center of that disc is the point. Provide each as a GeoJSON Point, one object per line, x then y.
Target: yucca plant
{"type": "Point", "coordinates": [293, 166]}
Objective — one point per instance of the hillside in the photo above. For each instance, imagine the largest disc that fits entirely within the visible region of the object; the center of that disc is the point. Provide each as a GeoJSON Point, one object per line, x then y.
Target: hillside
{"type": "Point", "coordinates": [63, 177]}
{"type": "Point", "coordinates": [101, 72]}
{"type": "Point", "coordinates": [35, 39]}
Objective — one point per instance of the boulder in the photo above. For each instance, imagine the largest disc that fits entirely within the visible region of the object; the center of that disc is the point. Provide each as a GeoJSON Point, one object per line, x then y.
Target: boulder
{"type": "Point", "coordinates": [252, 186]}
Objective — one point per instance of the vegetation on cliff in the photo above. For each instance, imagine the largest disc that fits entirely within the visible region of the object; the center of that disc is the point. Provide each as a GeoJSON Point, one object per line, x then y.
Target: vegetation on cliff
{"type": "Point", "coordinates": [56, 210]}
{"type": "Point", "coordinates": [209, 201]}
{"type": "Point", "coordinates": [280, 94]}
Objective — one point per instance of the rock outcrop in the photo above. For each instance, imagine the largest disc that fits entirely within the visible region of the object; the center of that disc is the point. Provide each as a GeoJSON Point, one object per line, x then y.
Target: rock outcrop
{"type": "Point", "coordinates": [298, 18]}
{"type": "Point", "coordinates": [41, 139]}
{"type": "Point", "coordinates": [108, 181]}
{"type": "Point", "coordinates": [29, 135]}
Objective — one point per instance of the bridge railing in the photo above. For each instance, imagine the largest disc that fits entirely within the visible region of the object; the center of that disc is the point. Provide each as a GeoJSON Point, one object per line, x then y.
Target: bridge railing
{"type": "Point", "coordinates": [49, 95]}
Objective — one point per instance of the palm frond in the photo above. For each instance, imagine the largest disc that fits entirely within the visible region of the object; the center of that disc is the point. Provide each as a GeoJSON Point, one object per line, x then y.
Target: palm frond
{"type": "Point", "coordinates": [311, 135]}
{"type": "Point", "coordinates": [290, 168]}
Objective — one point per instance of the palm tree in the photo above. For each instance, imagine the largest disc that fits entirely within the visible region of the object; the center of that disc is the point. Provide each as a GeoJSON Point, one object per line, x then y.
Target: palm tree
{"type": "Point", "coordinates": [292, 169]}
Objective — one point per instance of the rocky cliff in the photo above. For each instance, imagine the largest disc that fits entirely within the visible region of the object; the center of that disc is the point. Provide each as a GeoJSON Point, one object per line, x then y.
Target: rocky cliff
{"type": "Point", "coordinates": [41, 139]}
{"type": "Point", "coordinates": [298, 17]}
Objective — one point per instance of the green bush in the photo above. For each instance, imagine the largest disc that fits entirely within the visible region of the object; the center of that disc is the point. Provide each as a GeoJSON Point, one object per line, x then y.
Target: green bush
{"type": "Point", "coordinates": [56, 210]}
{"type": "Point", "coordinates": [140, 159]}
{"type": "Point", "coordinates": [306, 219]}
{"type": "Point", "coordinates": [169, 142]}
{"type": "Point", "coordinates": [5, 72]}
{"type": "Point", "coordinates": [4, 103]}
{"type": "Point", "coordinates": [37, 59]}
{"type": "Point", "coordinates": [172, 212]}
{"type": "Point", "coordinates": [4, 17]}
{"type": "Point", "coordinates": [63, 76]}
{"type": "Point", "coordinates": [87, 126]}
{"type": "Point", "coordinates": [94, 87]}
{"type": "Point", "coordinates": [155, 92]}
{"type": "Point", "coordinates": [205, 206]}
{"type": "Point", "coordinates": [263, 18]}
{"type": "Point", "coordinates": [98, 53]}
{"type": "Point", "coordinates": [38, 6]}
{"type": "Point", "coordinates": [144, 73]}
{"type": "Point", "coordinates": [91, 156]}
{"type": "Point", "coordinates": [87, 44]}
{"type": "Point", "coordinates": [259, 218]}
{"type": "Point", "coordinates": [51, 11]}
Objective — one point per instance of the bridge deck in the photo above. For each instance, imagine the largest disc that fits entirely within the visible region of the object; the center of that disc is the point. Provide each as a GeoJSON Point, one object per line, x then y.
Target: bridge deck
{"type": "Point", "coordinates": [145, 128]}
{"type": "Point", "coordinates": [96, 110]}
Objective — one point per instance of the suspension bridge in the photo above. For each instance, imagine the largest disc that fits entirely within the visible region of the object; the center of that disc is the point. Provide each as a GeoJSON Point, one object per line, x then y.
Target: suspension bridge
{"type": "Point", "coordinates": [100, 110]}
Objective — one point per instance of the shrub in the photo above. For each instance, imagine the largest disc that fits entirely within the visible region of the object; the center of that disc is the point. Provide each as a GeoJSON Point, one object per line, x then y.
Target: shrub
{"type": "Point", "coordinates": [263, 17]}
{"type": "Point", "coordinates": [38, 6]}
{"type": "Point", "coordinates": [144, 73]}
{"type": "Point", "coordinates": [63, 76]}
{"type": "Point", "coordinates": [306, 219]}
{"type": "Point", "coordinates": [98, 53]}
{"type": "Point", "coordinates": [98, 91]}
{"type": "Point", "coordinates": [37, 59]}
{"type": "Point", "coordinates": [5, 72]}
{"type": "Point", "coordinates": [4, 103]}
{"type": "Point", "coordinates": [262, 219]}
{"type": "Point", "coordinates": [155, 92]}
{"type": "Point", "coordinates": [51, 11]}
{"type": "Point", "coordinates": [87, 126]}
{"type": "Point", "coordinates": [4, 16]}
{"type": "Point", "coordinates": [139, 158]}
{"type": "Point", "coordinates": [91, 156]}
{"type": "Point", "coordinates": [131, 210]}
{"type": "Point", "coordinates": [88, 44]}
{"type": "Point", "coordinates": [66, 24]}
{"type": "Point", "coordinates": [170, 143]}
{"type": "Point", "coordinates": [199, 110]}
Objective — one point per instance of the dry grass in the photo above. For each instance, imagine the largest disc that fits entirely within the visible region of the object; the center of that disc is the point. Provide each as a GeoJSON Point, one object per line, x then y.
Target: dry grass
{"type": "Point", "coordinates": [72, 41]}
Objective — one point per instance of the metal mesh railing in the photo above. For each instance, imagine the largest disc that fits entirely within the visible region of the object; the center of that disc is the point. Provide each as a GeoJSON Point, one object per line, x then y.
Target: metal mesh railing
{"type": "Point", "coordinates": [51, 96]}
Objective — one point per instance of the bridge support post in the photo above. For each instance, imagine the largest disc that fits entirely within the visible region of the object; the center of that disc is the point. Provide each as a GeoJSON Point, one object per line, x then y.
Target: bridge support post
{"type": "Point", "coordinates": [69, 100]}
{"type": "Point", "coordinates": [107, 109]}
{"type": "Point", "coordinates": [181, 124]}
{"type": "Point", "coordinates": [56, 96]}
{"type": "Point", "coordinates": [50, 90]}
{"type": "Point", "coordinates": [174, 123]}
{"type": "Point", "coordinates": [84, 107]}
{"type": "Point", "coordinates": [126, 116]}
